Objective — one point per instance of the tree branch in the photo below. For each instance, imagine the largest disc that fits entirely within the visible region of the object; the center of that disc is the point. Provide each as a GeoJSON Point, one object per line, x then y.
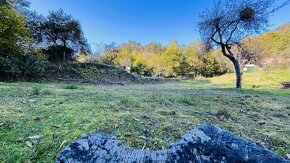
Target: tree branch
{"type": "Point", "coordinates": [229, 50]}
{"type": "Point", "coordinates": [214, 40]}
{"type": "Point", "coordinates": [231, 23]}
{"type": "Point", "coordinates": [232, 32]}
{"type": "Point", "coordinates": [225, 53]}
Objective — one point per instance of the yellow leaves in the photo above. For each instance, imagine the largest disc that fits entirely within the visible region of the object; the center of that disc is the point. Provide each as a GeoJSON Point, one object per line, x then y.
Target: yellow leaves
{"type": "Point", "coordinates": [12, 30]}
{"type": "Point", "coordinates": [124, 58]}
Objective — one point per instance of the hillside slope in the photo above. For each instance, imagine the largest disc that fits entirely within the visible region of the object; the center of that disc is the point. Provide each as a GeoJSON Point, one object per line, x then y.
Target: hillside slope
{"type": "Point", "coordinates": [95, 73]}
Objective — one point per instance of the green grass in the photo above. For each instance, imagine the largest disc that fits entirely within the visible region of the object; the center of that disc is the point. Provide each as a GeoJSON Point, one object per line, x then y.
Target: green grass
{"type": "Point", "coordinates": [155, 115]}
{"type": "Point", "coordinates": [260, 79]}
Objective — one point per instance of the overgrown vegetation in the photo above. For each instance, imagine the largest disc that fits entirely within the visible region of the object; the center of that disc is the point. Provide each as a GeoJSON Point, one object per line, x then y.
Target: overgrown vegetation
{"type": "Point", "coordinates": [27, 67]}
{"type": "Point", "coordinates": [28, 40]}
{"type": "Point", "coordinates": [39, 42]}
{"type": "Point", "coordinates": [157, 60]}
{"type": "Point", "coordinates": [141, 116]}
{"type": "Point", "coordinates": [193, 60]}
{"type": "Point", "coordinates": [89, 73]}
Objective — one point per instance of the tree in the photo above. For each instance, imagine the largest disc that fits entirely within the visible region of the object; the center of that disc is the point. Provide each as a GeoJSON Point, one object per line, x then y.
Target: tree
{"type": "Point", "coordinates": [153, 49]}
{"type": "Point", "coordinates": [34, 25]}
{"type": "Point", "coordinates": [125, 58]}
{"type": "Point", "coordinates": [229, 22]}
{"type": "Point", "coordinates": [64, 33]}
{"type": "Point", "coordinates": [192, 59]}
{"type": "Point", "coordinates": [172, 58]}
{"type": "Point", "coordinates": [158, 64]}
{"type": "Point", "coordinates": [107, 53]}
{"type": "Point", "coordinates": [140, 66]}
{"type": "Point", "coordinates": [249, 54]}
{"type": "Point", "coordinates": [12, 31]}
{"type": "Point", "coordinates": [18, 5]}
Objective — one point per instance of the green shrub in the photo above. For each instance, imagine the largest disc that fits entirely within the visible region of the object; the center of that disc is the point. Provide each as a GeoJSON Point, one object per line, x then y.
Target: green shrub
{"type": "Point", "coordinates": [27, 67]}
{"type": "Point", "coordinates": [141, 68]}
{"type": "Point", "coordinates": [71, 86]}
{"type": "Point", "coordinates": [9, 68]}
{"type": "Point", "coordinates": [36, 90]}
{"type": "Point", "coordinates": [88, 72]}
{"type": "Point", "coordinates": [33, 67]}
{"type": "Point", "coordinates": [211, 67]}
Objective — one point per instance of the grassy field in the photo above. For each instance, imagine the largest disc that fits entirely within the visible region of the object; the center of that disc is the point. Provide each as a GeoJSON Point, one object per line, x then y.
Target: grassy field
{"type": "Point", "coordinates": [142, 116]}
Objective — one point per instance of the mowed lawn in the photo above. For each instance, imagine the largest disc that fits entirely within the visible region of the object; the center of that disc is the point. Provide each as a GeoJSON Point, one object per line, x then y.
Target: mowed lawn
{"type": "Point", "coordinates": [142, 116]}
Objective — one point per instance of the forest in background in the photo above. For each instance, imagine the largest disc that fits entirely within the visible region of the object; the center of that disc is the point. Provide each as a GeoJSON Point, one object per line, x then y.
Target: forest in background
{"type": "Point", "coordinates": [269, 51]}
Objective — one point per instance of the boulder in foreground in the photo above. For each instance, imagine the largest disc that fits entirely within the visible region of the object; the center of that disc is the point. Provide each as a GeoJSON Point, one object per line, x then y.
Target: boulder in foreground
{"type": "Point", "coordinates": [205, 143]}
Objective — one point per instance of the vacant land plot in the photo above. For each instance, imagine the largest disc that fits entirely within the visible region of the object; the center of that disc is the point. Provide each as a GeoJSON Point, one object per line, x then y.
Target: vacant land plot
{"type": "Point", "coordinates": [142, 116]}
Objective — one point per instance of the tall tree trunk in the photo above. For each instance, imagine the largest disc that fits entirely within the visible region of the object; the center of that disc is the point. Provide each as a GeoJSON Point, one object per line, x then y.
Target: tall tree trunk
{"type": "Point", "coordinates": [236, 64]}
{"type": "Point", "coordinates": [238, 73]}
{"type": "Point", "coordinates": [64, 49]}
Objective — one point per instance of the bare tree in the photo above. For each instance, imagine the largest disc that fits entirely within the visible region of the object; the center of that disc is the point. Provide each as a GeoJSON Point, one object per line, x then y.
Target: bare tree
{"type": "Point", "coordinates": [249, 54]}
{"type": "Point", "coordinates": [230, 21]}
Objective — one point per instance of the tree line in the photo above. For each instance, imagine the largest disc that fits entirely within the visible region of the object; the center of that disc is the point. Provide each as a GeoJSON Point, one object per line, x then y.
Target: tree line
{"type": "Point", "coordinates": [155, 59]}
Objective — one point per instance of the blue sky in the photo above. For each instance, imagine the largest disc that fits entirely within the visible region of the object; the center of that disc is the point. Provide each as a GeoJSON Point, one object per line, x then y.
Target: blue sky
{"type": "Point", "coordinates": [143, 21]}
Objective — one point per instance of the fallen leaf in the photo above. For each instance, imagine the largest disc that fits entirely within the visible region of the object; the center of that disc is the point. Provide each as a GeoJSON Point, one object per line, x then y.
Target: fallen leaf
{"type": "Point", "coordinates": [263, 143]}
{"type": "Point", "coordinates": [142, 137]}
{"type": "Point", "coordinates": [116, 126]}
{"type": "Point", "coordinates": [262, 123]}
{"type": "Point", "coordinates": [15, 111]}
{"type": "Point", "coordinates": [20, 139]}
{"type": "Point", "coordinates": [29, 144]}
{"type": "Point", "coordinates": [144, 146]}
{"type": "Point", "coordinates": [31, 100]}
{"type": "Point", "coordinates": [9, 124]}
{"type": "Point", "coordinates": [56, 126]}
{"type": "Point", "coordinates": [38, 118]}
{"type": "Point", "coordinates": [288, 155]}
{"type": "Point", "coordinates": [36, 137]}
{"type": "Point", "coordinates": [272, 134]}
{"type": "Point", "coordinates": [128, 134]}
{"type": "Point", "coordinates": [173, 112]}
{"type": "Point", "coordinates": [221, 117]}
{"type": "Point", "coordinates": [242, 111]}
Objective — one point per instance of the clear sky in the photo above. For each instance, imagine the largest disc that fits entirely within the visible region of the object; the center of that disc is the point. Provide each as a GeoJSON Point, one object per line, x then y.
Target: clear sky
{"type": "Point", "coordinates": [143, 21]}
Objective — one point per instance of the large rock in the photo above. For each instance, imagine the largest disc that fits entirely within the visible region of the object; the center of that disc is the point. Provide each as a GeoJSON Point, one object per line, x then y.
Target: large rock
{"type": "Point", "coordinates": [204, 144]}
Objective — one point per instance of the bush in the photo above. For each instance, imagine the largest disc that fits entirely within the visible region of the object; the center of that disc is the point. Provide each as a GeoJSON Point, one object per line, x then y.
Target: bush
{"type": "Point", "coordinates": [88, 72]}
{"type": "Point", "coordinates": [56, 54]}
{"type": "Point", "coordinates": [141, 68]}
{"type": "Point", "coordinates": [211, 67]}
{"type": "Point", "coordinates": [36, 90]}
{"type": "Point", "coordinates": [9, 68]}
{"type": "Point", "coordinates": [33, 67]}
{"type": "Point", "coordinates": [71, 87]}
{"type": "Point", "coordinates": [26, 67]}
